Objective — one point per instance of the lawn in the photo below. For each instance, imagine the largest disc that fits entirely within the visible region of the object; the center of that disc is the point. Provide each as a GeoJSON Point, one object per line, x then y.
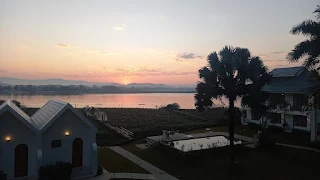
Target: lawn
{"type": "Point", "coordinates": [217, 116]}
{"type": "Point", "coordinates": [136, 119]}
{"type": "Point", "coordinates": [276, 163]}
{"type": "Point", "coordinates": [113, 162]}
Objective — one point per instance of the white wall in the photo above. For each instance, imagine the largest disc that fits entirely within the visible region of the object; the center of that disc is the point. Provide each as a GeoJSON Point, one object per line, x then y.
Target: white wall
{"type": "Point", "coordinates": [289, 120]}
{"type": "Point", "coordinates": [289, 98]}
{"type": "Point", "coordinates": [68, 121]}
{"type": "Point", "coordinates": [20, 134]}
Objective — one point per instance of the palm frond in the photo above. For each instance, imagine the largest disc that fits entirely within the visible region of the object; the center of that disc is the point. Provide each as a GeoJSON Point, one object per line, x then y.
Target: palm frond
{"type": "Point", "coordinates": [300, 50]}
{"type": "Point", "coordinates": [317, 11]}
{"type": "Point", "coordinates": [311, 62]}
{"type": "Point", "coordinates": [203, 96]}
{"type": "Point", "coordinates": [226, 59]}
{"type": "Point", "coordinates": [307, 28]}
{"type": "Point", "coordinates": [213, 61]}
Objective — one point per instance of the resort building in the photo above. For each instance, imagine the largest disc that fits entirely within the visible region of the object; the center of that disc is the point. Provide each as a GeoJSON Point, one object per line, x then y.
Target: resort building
{"type": "Point", "coordinates": [95, 113]}
{"type": "Point", "coordinates": [55, 133]}
{"type": "Point", "coordinates": [299, 109]}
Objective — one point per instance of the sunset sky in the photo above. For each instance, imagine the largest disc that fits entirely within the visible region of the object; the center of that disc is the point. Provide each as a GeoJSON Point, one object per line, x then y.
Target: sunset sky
{"type": "Point", "coordinates": [151, 41]}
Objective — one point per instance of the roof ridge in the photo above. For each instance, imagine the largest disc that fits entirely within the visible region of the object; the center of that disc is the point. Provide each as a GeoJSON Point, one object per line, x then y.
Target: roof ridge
{"type": "Point", "coordinates": [288, 67]}
{"type": "Point", "coordinates": [47, 112]}
{"type": "Point", "coordinates": [39, 109]}
{"type": "Point", "coordinates": [11, 104]}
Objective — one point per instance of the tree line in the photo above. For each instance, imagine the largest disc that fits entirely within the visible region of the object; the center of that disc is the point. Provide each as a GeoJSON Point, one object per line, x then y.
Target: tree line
{"type": "Point", "coordinates": [81, 89]}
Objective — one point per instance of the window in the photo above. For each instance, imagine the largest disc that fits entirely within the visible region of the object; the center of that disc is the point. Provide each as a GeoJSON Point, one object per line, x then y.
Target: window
{"type": "Point", "coordinates": [299, 100]}
{"type": "Point", "coordinates": [276, 99]}
{"type": "Point", "coordinates": [275, 118]}
{"type": "Point", "coordinates": [300, 121]}
{"type": "Point", "coordinates": [55, 143]}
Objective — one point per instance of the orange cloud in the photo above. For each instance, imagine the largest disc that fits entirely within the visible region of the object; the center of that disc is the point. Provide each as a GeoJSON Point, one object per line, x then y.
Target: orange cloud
{"type": "Point", "coordinates": [64, 45]}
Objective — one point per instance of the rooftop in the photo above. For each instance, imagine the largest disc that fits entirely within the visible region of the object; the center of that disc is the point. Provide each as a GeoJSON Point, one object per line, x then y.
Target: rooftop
{"type": "Point", "coordinates": [45, 114]}
{"type": "Point", "coordinates": [290, 80]}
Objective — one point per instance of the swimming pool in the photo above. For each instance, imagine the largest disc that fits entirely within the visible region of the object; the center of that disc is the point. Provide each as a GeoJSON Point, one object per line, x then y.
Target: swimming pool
{"type": "Point", "coordinates": [202, 143]}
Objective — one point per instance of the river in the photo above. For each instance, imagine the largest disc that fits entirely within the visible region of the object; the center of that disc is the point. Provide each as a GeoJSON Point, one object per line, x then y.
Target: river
{"type": "Point", "coordinates": [145, 100]}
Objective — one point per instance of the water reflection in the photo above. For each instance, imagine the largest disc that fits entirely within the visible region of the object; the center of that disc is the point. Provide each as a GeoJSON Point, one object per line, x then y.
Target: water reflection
{"type": "Point", "coordinates": [151, 100]}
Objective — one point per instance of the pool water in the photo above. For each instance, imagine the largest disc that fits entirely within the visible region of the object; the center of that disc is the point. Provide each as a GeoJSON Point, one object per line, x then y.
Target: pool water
{"type": "Point", "coordinates": [202, 143]}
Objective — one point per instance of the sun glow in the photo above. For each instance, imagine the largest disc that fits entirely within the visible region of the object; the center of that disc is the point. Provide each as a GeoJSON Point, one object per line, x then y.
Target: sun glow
{"type": "Point", "coordinates": [126, 80]}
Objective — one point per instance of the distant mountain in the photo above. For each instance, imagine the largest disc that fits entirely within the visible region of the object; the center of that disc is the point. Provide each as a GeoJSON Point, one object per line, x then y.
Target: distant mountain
{"type": "Point", "coordinates": [16, 81]}
{"type": "Point", "coordinates": [146, 85]}
{"type": "Point", "coordinates": [4, 81]}
{"type": "Point", "coordinates": [3, 84]}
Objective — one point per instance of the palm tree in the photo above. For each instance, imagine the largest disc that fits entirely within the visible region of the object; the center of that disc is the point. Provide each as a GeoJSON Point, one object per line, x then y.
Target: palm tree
{"type": "Point", "coordinates": [309, 48]}
{"type": "Point", "coordinates": [234, 73]}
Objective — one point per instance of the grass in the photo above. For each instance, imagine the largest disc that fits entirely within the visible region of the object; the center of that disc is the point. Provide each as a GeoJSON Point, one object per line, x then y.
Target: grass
{"type": "Point", "coordinates": [142, 119]}
{"type": "Point", "coordinates": [277, 163]}
{"type": "Point", "coordinates": [216, 116]}
{"type": "Point", "coordinates": [113, 162]}
{"type": "Point", "coordinates": [146, 122]}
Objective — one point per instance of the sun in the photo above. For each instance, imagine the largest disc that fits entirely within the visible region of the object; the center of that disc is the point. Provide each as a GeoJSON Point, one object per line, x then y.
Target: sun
{"type": "Point", "coordinates": [126, 80]}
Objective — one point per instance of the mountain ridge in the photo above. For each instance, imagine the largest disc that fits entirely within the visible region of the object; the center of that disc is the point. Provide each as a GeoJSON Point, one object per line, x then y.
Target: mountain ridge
{"type": "Point", "coordinates": [5, 81]}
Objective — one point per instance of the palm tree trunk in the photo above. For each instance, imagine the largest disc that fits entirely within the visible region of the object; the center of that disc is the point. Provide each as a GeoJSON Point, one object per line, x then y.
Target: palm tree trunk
{"type": "Point", "coordinates": [231, 131]}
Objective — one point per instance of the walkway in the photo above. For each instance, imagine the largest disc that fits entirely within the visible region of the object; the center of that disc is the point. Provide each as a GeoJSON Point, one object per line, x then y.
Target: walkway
{"type": "Point", "coordinates": [106, 176]}
{"type": "Point", "coordinates": [298, 147]}
{"type": "Point", "coordinates": [131, 176]}
{"type": "Point", "coordinates": [156, 172]}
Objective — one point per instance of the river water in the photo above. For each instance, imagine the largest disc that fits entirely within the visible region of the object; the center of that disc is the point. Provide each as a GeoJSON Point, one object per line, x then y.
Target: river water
{"type": "Point", "coordinates": [145, 100]}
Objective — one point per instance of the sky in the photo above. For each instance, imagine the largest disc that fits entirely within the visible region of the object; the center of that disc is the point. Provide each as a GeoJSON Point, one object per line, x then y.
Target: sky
{"type": "Point", "coordinates": [142, 41]}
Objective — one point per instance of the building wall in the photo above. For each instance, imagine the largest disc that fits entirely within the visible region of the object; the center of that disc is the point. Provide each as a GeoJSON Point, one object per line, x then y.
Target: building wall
{"type": "Point", "coordinates": [289, 98]}
{"type": "Point", "coordinates": [287, 116]}
{"type": "Point", "coordinates": [68, 121]}
{"type": "Point", "coordinates": [315, 125]}
{"type": "Point", "coordinates": [20, 134]}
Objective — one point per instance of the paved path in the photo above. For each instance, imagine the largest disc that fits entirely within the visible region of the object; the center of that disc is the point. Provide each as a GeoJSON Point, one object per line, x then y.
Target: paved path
{"type": "Point", "coordinates": [131, 176]}
{"type": "Point", "coordinates": [299, 147]}
{"type": "Point", "coordinates": [107, 175]}
{"type": "Point", "coordinates": [156, 172]}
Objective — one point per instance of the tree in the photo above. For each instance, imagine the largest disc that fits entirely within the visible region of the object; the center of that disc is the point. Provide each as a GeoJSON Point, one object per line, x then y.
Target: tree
{"type": "Point", "coordinates": [16, 102]}
{"type": "Point", "coordinates": [173, 106]}
{"type": "Point", "coordinates": [233, 73]}
{"type": "Point", "coordinates": [309, 48]}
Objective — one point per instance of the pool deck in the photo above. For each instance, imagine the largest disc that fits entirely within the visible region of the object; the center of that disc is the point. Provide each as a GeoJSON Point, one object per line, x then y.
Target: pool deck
{"type": "Point", "coordinates": [181, 136]}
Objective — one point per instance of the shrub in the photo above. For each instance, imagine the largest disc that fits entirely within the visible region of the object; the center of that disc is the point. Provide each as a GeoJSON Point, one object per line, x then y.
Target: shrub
{"type": "Point", "coordinates": [275, 129]}
{"type": "Point", "coordinates": [99, 171]}
{"type": "Point", "coordinates": [173, 106]}
{"type": "Point", "coordinates": [314, 144]}
{"type": "Point", "coordinates": [16, 102]}
{"type": "Point", "coordinates": [60, 170]}
{"type": "Point", "coordinates": [266, 140]}
{"type": "Point", "coordinates": [3, 176]}
{"type": "Point", "coordinates": [254, 125]}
